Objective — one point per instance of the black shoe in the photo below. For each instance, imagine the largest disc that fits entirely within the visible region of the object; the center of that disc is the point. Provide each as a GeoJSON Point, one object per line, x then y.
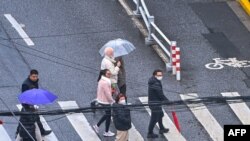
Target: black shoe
{"type": "Point", "coordinates": [47, 132]}
{"type": "Point", "coordinates": [152, 135]}
{"type": "Point", "coordinates": [162, 131]}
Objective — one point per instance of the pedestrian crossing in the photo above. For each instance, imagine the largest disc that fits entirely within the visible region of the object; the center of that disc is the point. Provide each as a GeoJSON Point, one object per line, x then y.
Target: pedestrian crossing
{"type": "Point", "coordinates": [79, 122]}
{"type": "Point", "coordinates": [240, 109]}
{"type": "Point", "coordinates": [3, 134]}
{"type": "Point", "coordinates": [205, 118]}
{"type": "Point", "coordinates": [84, 129]}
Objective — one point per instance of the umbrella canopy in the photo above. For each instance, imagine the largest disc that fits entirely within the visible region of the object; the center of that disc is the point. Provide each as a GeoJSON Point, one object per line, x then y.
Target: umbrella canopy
{"type": "Point", "coordinates": [37, 97]}
{"type": "Point", "coordinates": [121, 47]}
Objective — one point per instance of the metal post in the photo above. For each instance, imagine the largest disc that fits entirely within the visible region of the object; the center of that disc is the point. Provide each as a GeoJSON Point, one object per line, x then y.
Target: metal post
{"type": "Point", "coordinates": [178, 64]}
{"type": "Point", "coordinates": [173, 56]}
{"type": "Point", "coordinates": [137, 11]}
{"type": "Point", "coordinates": [149, 40]}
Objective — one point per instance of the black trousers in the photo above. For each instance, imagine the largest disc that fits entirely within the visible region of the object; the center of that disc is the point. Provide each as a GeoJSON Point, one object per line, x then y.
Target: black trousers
{"type": "Point", "coordinates": [156, 117]}
{"type": "Point", "coordinates": [106, 117]}
{"type": "Point", "coordinates": [123, 90]}
{"type": "Point", "coordinates": [39, 123]}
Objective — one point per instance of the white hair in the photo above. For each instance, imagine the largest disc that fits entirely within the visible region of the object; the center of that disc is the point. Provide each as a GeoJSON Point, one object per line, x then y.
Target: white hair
{"type": "Point", "coordinates": [108, 49]}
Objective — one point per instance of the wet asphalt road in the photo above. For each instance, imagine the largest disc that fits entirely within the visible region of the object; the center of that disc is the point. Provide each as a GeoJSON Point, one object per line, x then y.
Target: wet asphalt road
{"type": "Point", "coordinates": [69, 33]}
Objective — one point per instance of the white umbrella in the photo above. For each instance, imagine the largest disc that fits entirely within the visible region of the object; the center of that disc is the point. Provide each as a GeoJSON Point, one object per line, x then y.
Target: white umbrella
{"type": "Point", "coordinates": [121, 47]}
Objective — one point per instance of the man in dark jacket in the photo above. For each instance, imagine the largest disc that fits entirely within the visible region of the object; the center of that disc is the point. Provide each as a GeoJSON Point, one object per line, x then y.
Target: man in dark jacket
{"type": "Point", "coordinates": [32, 83]}
{"type": "Point", "coordinates": [155, 95]}
{"type": "Point", "coordinates": [121, 118]}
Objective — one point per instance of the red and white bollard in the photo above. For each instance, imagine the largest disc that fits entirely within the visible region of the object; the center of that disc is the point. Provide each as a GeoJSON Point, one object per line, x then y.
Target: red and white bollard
{"type": "Point", "coordinates": [173, 56]}
{"type": "Point", "coordinates": [178, 64]}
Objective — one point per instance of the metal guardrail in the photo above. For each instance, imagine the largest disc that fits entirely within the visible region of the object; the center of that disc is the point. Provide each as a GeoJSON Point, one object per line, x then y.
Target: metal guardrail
{"type": "Point", "coordinates": [153, 29]}
{"type": "Point", "coordinates": [142, 10]}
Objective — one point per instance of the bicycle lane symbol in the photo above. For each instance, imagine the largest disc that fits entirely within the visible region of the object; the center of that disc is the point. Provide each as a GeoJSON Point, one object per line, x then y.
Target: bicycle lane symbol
{"type": "Point", "coordinates": [231, 62]}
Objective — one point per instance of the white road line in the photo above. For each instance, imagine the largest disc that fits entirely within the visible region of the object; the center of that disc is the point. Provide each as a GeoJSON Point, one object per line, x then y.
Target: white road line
{"type": "Point", "coordinates": [205, 118]}
{"type": "Point", "coordinates": [240, 109]}
{"type": "Point", "coordinates": [19, 29]}
{"type": "Point", "coordinates": [79, 122]}
{"type": "Point", "coordinates": [134, 135]}
{"type": "Point", "coordinates": [3, 134]}
{"type": "Point", "coordinates": [51, 136]}
{"type": "Point", "coordinates": [173, 134]}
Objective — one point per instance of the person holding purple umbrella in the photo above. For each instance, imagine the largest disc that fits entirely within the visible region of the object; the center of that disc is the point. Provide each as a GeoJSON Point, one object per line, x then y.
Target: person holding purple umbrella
{"type": "Point", "coordinates": [32, 83]}
{"type": "Point", "coordinates": [29, 123]}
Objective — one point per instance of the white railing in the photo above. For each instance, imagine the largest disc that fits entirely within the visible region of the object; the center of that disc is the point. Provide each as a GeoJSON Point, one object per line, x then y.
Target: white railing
{"type": "Point", "coordinates": [152, 28]}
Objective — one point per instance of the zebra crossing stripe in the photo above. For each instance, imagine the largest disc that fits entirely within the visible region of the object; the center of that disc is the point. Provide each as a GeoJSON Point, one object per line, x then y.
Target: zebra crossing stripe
{"type": "Point", "coordinates": [205, 118]}
{"type": "Point", "coordinates": [134, 135]}
{"type": "Point", "coordinates": [3, 134]}
{"type": "Point", "coordinates": [79, 122]}
{"type": "Point", "coordinates": [51, 136]}
{"type": "Point", "coordinates": [173, 134]}
{"type": "Point", "coordinates": [240, 109]}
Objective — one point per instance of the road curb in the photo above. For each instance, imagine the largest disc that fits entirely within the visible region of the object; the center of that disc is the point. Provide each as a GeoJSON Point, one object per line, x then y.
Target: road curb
{"type": "Point", "coordinates": [241, 14]}
{"type": "Point", "coordinates": [246, 5]}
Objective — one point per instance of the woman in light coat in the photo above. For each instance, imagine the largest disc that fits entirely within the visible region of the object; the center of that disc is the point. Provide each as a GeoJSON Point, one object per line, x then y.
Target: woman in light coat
{"type": "Point", "coordinates": [104, 98]}
{"type": "Point", "coordinates": [108, 62]}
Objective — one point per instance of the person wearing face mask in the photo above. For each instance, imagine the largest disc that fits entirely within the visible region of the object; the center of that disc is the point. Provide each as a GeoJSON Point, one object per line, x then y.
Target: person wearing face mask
{"type": "Point", "coordinates": [121, 118]}
{"type": "Point", "coordinates": [104, 98]}
{"type": "Point", "coordinates": [155, 95]}
{"type": "Point", "coordinates": [108, 62]}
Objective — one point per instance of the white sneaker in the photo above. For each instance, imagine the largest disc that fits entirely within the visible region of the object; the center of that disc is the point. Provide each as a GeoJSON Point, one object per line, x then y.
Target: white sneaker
{"type": "Point", "coordinates": [108, 134]}
{"type": "Point", "coordinates": [96, 128]}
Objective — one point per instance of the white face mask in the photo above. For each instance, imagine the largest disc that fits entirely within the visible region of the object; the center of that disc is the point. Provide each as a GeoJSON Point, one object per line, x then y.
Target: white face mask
{"type": "Point", "coordinates": [159, 77]}
{"type": "Point", "coordinates": [123, 102]}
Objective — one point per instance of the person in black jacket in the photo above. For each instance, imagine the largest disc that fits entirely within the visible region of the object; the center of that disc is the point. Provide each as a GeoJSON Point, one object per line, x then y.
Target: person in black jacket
{"type": "Point", "coordinates": [121, 118]}
{"type": "Point", "coordinates": [32, 83]}
{"type": "Point", "coordinates": [155, 95]}
{"type": "Point", "coordinates": [29, 122]}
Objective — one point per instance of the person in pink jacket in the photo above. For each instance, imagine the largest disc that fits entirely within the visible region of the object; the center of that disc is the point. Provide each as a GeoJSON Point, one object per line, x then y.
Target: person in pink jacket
{"type": "Point", "coordinates": [104, 98]}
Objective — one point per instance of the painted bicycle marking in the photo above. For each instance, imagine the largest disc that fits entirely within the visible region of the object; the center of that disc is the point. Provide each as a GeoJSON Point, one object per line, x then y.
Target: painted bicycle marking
{"type": "Point", "coordinates": [231, 62]}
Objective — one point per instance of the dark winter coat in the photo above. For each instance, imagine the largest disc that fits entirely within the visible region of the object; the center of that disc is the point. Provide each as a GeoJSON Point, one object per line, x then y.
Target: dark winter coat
{"type": "Point", "coordinates": [28, 122]}
{"type": "Point", "coordinates": [122, 73]}
{"type": "Point", "coordinates": [121, 117]}
{"type": "Point", "coordinates": [28, 85]}
{"type": "Point", "coordinates": [155, 93]}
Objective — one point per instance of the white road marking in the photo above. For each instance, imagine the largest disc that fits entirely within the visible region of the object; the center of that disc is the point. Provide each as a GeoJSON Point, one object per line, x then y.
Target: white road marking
{"type": "Point", "coordinates": [134, 135]}
{"type": "Point", "coordinates": [79, 122]}
{"type": "Point", "coordinates": [205, 118]}
{"type": "Point", "coordinates": [3, 134]}
{"type": "Point", "coordinates": [19, 29]}
{"type": "Point", "coordinates": [51, 136]}
{"type": "Point", "coordinates": [173, 134]}
{"type": "Point", "coordinates": [240, 109]}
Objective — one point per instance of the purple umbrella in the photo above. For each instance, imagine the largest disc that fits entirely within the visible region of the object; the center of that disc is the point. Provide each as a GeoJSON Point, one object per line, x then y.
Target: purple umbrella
{"type": "Point", "coordinates": [37, 97]}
